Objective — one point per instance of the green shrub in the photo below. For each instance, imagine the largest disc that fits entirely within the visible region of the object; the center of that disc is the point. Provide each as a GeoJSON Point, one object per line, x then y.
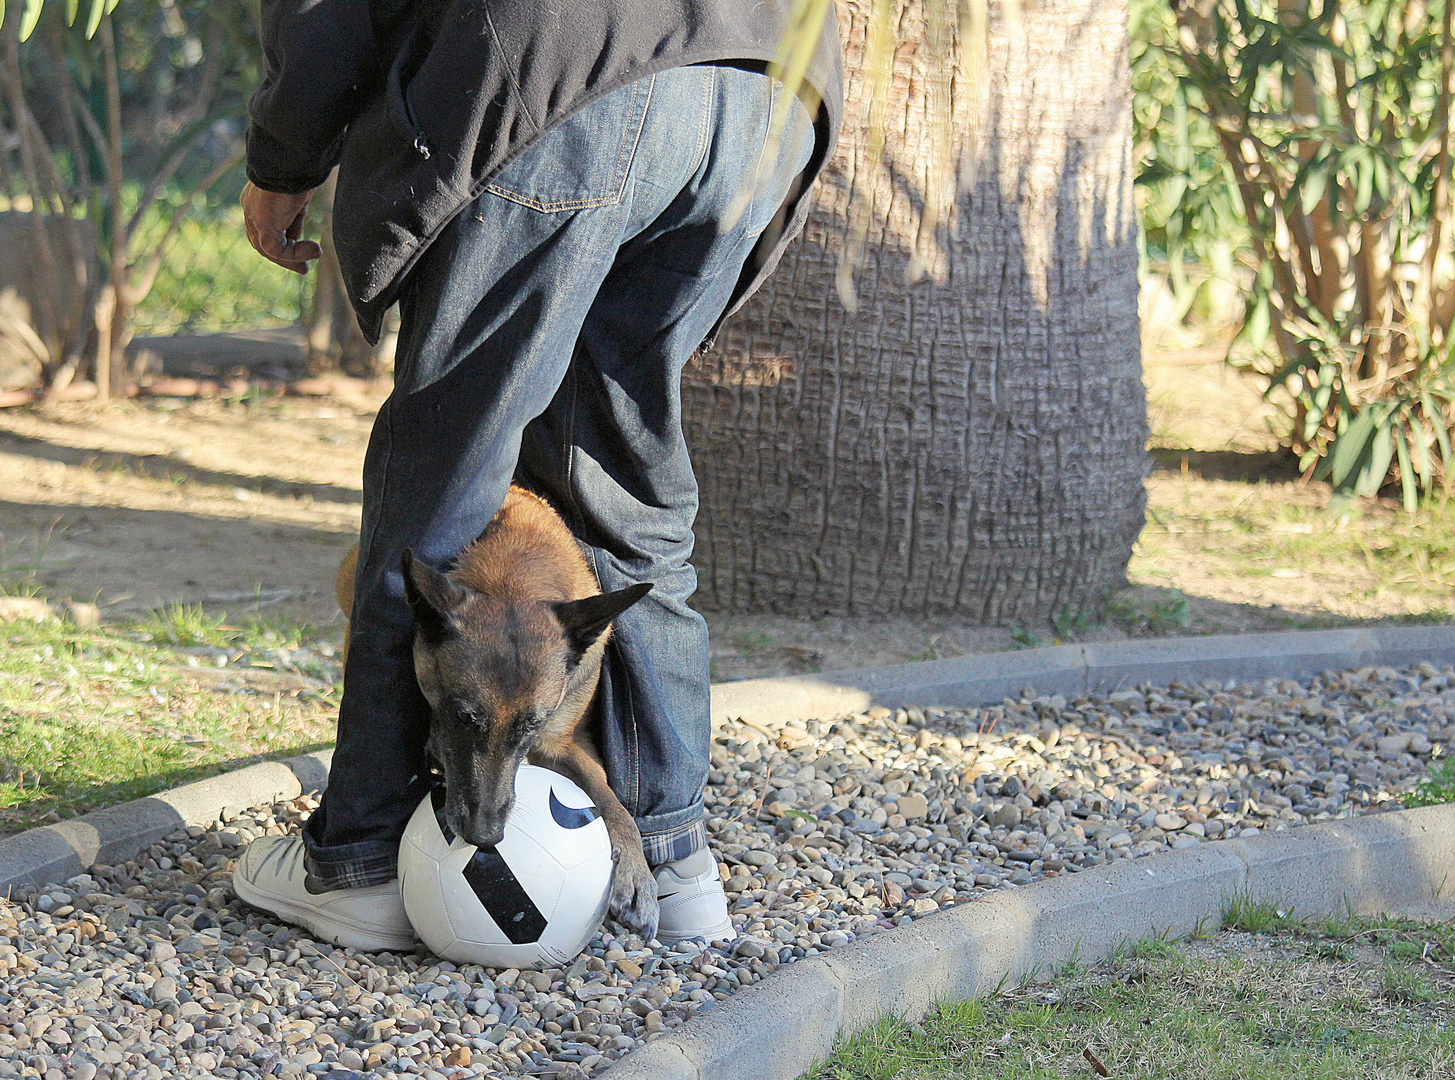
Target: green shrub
{"type": "Point", "coordinates": [1308, 142]}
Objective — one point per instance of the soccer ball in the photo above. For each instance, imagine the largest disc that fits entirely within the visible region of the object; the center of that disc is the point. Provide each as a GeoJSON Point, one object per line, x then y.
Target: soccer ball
{"type": "Point", "coordinates": [533, 900]}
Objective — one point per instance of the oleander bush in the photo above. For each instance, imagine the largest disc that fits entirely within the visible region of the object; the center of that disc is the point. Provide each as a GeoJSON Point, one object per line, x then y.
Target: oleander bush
{"type": "Point", "coordinates": [1302, 148]}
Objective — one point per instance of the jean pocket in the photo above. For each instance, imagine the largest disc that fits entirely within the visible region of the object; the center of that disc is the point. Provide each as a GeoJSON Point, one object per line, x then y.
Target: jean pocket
{"type": "Point", "coordinates": [583, 161]}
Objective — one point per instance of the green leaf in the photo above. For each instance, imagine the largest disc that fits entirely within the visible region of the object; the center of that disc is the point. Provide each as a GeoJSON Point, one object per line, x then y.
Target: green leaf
{"type": "Point", "coordinates": [1350, 447]}
{"type": "Point", "coordinates": [1423, 465]}
{"type": "Point", "coordinates": [1383, 179]}
{"type": "Point", "coordinates": [98, 9]}
{"type": "Point", "coordinates": [1258, 322]}
{"type": "Point", "coordinates": [1409, 487]}
{"type": "Point", "coordinates": [29, 17]}
{"type": "Point", "coordinates": [1312, 183]}
{"type": "Point", "coordinates": [1364, 187]}
{"type": "Point", "coordinates": [1437, 425]}
{"type": "Point", "coordinates": [1381, 453]}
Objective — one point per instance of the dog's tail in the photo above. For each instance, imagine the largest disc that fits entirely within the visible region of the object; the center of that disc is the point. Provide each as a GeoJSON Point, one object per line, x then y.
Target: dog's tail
{"type": "Point", "coordinates": [343, 589]}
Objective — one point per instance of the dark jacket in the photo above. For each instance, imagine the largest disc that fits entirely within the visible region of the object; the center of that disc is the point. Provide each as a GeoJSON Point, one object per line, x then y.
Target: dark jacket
{"type": "Point", "coordinates": [421, 102]}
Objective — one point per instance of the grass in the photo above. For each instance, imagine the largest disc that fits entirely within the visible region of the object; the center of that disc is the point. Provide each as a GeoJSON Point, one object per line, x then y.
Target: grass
{"type": "Point", "coordinates": [1265, 535]}
{"type": "Point", "coordinates": [1257, 1005]}
{"type": "Point", "coordinates": [213, 280]}
{"type": "Point", "coordinates": [90, 718]}
{"type": "Point", "coordinates": [19, 563]}
{"type": "Point", "coordinates": [752, 641]}
{"type": "Point", "coordinates": [1438, 787]}
{"type": "Point", "coordinates": [1256, 916]}
{"type": "Point", "coordinates": [192, 625]}
{"type": "Point", "coordinates": [1229, 522]}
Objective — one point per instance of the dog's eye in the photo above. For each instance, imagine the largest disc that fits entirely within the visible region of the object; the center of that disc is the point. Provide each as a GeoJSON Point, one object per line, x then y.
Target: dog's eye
{"type": "Point", "coordinates": [465, 713]}
{"type": "Point", "coordinates": [525, 722]}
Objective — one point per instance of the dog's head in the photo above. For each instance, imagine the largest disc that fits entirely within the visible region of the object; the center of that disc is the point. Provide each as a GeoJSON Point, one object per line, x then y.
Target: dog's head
{"type": "Point", "coordinates": [499, 675]}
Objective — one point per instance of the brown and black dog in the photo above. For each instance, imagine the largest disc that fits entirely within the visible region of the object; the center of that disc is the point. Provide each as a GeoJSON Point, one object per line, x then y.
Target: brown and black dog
{"type": "Point", "coordinates": [507, 650]}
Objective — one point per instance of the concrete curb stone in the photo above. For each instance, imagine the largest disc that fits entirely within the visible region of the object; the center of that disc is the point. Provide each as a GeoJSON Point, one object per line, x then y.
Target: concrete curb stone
{"type": "Point", "coordinates": [1076, 669]}
{"type": "Point", "coordinates": [800, 1004]}
{"type": "Point", "coordinates": [57, 852]}
{"type": "Point", "coordinates": [1368, 864]}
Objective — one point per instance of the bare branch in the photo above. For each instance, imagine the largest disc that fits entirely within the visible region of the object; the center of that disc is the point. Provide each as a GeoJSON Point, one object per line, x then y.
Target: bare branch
{"type": "Point", "coordinates": [1440, 211]}
{"type": "Point", "coordinates": [138, 292]}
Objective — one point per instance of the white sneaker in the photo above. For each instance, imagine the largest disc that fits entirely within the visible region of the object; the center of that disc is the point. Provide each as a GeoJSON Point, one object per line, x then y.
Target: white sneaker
{"type": "Point", "coordinates": [692, 903]}
{"type": "Point", "coordinates": [270, 875]}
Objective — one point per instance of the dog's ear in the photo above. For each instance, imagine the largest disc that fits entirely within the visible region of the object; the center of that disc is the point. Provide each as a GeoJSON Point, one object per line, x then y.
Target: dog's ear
{"type": "Point", "coordinates": [586, 619]}
{"type": "Point", "coordinates": [432, 596]}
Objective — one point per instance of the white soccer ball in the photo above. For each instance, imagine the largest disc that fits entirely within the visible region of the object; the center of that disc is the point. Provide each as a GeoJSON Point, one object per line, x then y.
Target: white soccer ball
{"type": "Point", "coordinates": [533, 900]}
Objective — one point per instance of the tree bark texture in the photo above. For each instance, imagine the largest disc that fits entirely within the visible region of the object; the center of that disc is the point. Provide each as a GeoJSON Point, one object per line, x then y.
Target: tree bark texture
{"type": "Point", "coordinates": [971, 444]}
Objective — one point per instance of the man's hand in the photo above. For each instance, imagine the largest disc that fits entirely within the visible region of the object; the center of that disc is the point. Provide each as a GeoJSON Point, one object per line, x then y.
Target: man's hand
{"type": "Point", "coordinates": [274, 222]}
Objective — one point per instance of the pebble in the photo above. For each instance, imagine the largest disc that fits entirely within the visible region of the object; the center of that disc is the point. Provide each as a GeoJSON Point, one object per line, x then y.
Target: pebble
{"type": "Point", "coordinates": [829, 832]}
{"type": "Point", "coordinates": [1006, 816]}
{"type": "Point", "coordinates": [912, 806]}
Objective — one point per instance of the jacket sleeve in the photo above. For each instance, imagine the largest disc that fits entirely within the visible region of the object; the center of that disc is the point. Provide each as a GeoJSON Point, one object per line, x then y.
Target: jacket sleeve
{"type": "Point", "coordinates": [320, 59]}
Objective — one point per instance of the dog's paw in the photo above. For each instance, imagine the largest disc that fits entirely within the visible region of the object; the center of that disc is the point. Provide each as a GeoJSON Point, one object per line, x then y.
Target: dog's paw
{"type": "Point", "coordinates": [634, 899]}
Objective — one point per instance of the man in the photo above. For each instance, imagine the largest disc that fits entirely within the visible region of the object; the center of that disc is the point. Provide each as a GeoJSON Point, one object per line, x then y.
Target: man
{"type": "Point", "coordinates": [566, 200]}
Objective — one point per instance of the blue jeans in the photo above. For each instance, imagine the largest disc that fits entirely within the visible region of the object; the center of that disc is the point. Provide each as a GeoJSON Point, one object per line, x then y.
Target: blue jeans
{"type": "Point", "coordinates": [543, 338]}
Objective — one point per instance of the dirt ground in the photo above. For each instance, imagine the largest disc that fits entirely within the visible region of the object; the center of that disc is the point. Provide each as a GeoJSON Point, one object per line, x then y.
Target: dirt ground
{"type": "Point", "coordinates": [245, 507]}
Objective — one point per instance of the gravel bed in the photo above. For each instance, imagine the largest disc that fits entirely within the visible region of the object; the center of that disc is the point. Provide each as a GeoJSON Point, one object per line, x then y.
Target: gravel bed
{"type": "Point", "coordinates": [826, 832]}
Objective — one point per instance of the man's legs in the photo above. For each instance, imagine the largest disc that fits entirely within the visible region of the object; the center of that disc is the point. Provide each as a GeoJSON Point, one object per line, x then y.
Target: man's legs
{"type": "Point", "coordinates": [610, 454]}
{"type": "Point", "coordinates": [599, 256]}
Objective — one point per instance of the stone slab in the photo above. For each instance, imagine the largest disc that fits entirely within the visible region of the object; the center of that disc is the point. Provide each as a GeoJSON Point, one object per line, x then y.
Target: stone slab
{"type": "Point", "coordinates": [659, 1060]}
{"type": "Point", "coordinates": [966, 680]}
{"type": "Point", "coordinates": [774, 702]}
{"type": "Point", "coordinates": [799, 1009]}
{"type": "Point", "coordinates": [961, 952]}
{"type": "Point", "coordinates": [1085, 916]}
{"type": "Point", "coordinates": [1365, 865]}
{"type": "Point", "coordinates": [1244, 658]}
{"type": "Point", "coordinates": [1403, 646]}
{"type": "Point", "coordinates": [311, 770]}
{"type": "Point", "coordinates": [117, 833]}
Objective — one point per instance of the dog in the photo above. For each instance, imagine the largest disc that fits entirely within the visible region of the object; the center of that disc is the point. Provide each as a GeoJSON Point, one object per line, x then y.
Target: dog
{"type": "Point", "coordinates": [507, 651]}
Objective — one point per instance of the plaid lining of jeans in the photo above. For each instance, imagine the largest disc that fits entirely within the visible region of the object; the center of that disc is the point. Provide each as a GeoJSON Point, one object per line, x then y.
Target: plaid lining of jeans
{"type": "Point", "coordinates": [660, 848]}
{"type": "Point", "coordinates": [678, 843]}
{"type": "Point", "coordinates": [356, 873]}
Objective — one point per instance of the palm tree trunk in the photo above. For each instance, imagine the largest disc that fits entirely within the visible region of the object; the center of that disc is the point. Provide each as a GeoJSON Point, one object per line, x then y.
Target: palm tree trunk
{"type": "Point", "coordinates": [971, 444]}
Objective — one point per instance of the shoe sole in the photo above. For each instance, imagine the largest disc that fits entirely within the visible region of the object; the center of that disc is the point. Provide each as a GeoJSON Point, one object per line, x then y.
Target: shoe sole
{"type": "Point", "coordinates": [722, 931]}
{"type": "Point", "coordinates": [340, 932]}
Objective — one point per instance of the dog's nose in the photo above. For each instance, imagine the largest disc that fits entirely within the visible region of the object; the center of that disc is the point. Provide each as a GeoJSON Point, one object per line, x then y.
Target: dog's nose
{"type": "Point", "coordinates": [482, 830]}
{"type": "Point", "coordinates": [485, 838]}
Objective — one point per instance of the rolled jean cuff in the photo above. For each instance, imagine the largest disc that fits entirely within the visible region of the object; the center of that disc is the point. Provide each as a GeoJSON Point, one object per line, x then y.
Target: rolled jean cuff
{"type": "Point", "coordinates": [358, 866]}
{"type": "Point", "coordinates": [665, 845]}
{"type": "Point", "coordinates": [351, 866]}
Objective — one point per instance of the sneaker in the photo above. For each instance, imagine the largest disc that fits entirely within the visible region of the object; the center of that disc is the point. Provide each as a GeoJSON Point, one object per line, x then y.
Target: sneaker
{"type": "Point", "coordinates": [693, 905]}
{"type": "Point", "coordinates": [270, 875]}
